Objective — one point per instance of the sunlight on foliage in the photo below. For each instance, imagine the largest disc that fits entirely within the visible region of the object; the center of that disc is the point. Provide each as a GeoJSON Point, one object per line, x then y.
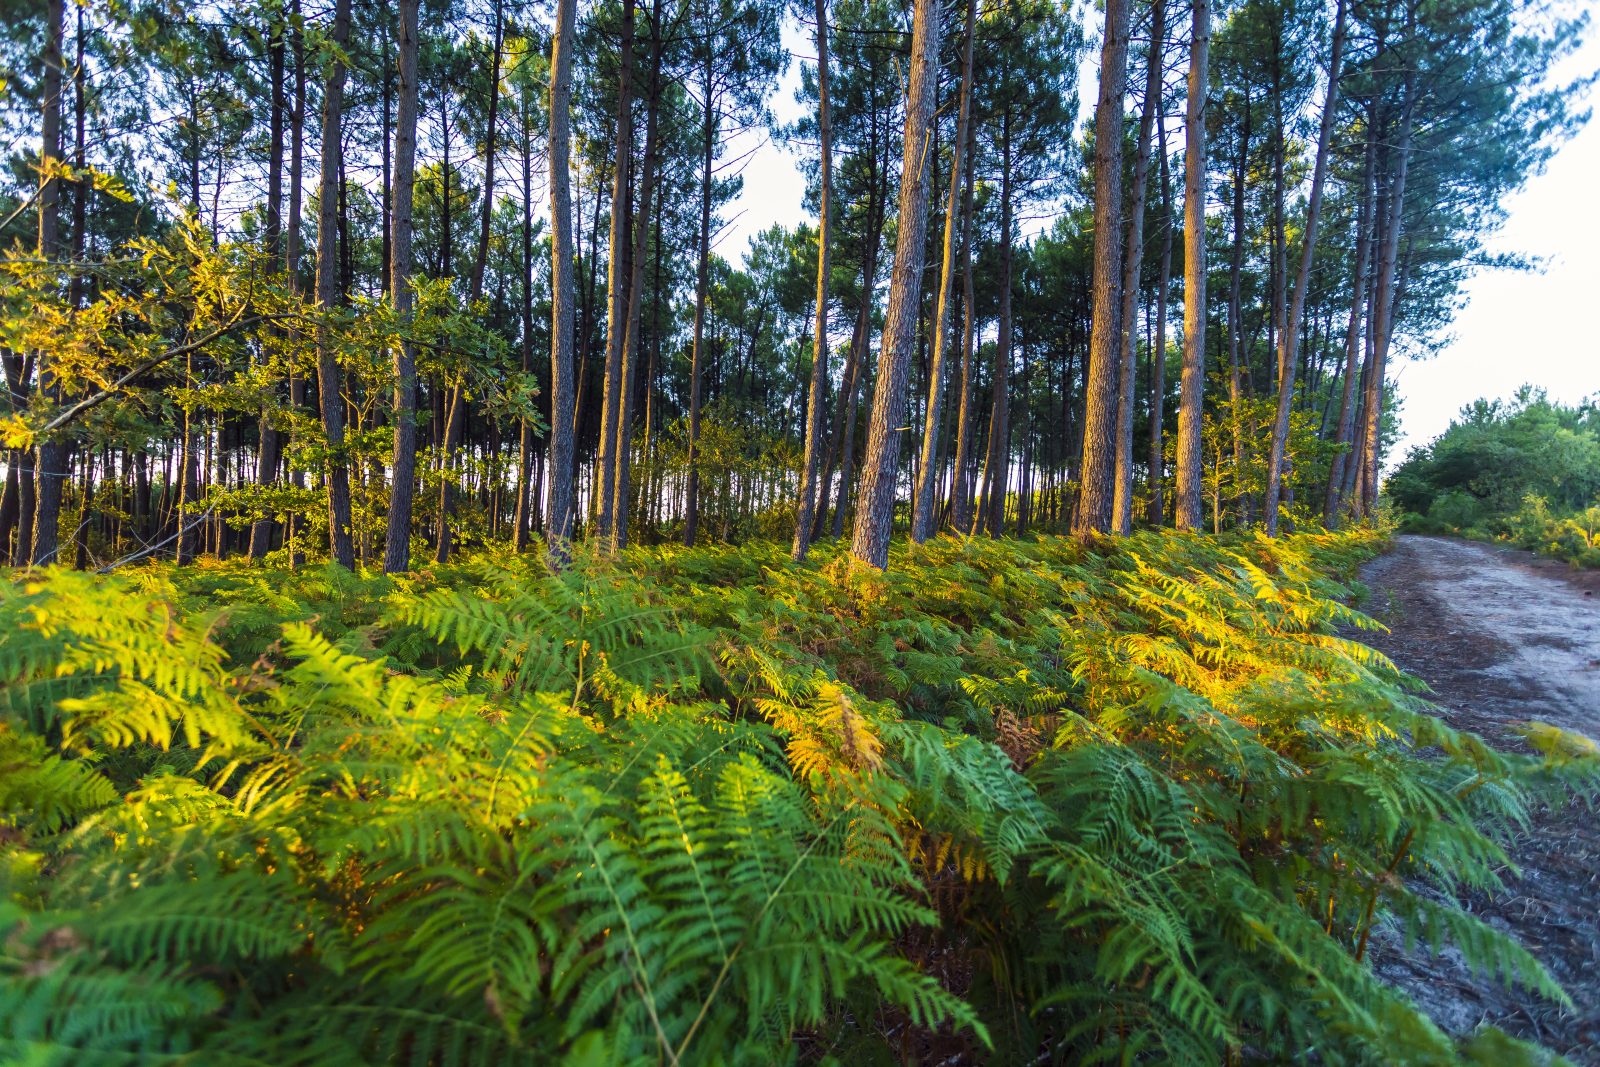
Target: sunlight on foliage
{"type": "Point", "coordinates": [1131, 801]}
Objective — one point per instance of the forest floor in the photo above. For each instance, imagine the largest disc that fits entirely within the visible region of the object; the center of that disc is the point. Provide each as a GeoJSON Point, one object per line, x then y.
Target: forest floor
{"type": "Point", "coordinates": [1504, 637]}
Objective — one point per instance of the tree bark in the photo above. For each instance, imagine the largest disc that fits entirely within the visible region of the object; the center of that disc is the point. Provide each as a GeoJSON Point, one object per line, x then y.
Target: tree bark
{"type": "Point", "coordinates": [960, 477]}
{"type": "Point", "coordinates": [1192, 387]}
{"type": "Point", "coordinates": [1386, 304]}
{"type": "Point", "coordinates": [527, 505]}
{"type": "Point", "coordinates": [1289, 339]}
{"type": "Point", "coordinates": [843, 440]}
{"type": "Point", "coordinates": [51, 453]}
{"type": "Point", "coordinates": [691, 516]}
{"type": "Point", "coordinates": [291, 236]}
{"type": "Point", "coordinates": [616, 281]}
{"type": "Point", "coordinates": [481, 261]}
{"type": "Point", "coordinates": [1099, 432]}
{"type": "Point", "coordinates": [558, 518]}
{"type": "Point", "coordinates": [188, 478]}
{"type": "Point", "coordinates": [1158, 355]}
{"type": "Point", "coordinates": [328, 376]}
{"type": "Point", "coordinates": [1122, 497]}
{"type": "Point", "coordinates": [397, 547]}
{"type": "Point", "coordinates": [997, 463]}
{"type": "Point", "coordinates": [1343, 434]}
{"type": "Point", "coordinates": [270, 450]}
{"type": "Point", "coordinates": [875, 507]}
{"type": "Point", "coordinates": [1237, 355]}
{"type": "Point", "coordinates": [930, 469]}
{"type": "Point", "coordinates": [623, 451]}
{"type": "Point", "coordinates": [809, 489]}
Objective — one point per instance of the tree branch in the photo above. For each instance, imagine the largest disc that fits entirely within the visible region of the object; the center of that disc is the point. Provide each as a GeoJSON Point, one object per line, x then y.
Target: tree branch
{"type": "Point", "coordinates": [71, 413]}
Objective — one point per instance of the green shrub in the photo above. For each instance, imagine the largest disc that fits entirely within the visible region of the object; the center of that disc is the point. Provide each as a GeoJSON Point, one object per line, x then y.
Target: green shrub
{"type": "Point", "coordinates": [1525, 472]}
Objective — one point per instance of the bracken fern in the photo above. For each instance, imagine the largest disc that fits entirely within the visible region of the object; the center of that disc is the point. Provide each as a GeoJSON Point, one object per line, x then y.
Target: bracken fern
{"type": "Point", "coordinates": [1133, 801]}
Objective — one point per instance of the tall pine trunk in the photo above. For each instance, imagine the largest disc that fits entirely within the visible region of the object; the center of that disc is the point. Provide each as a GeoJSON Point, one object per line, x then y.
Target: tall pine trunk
{"type": "Point", "coordinates": [1289, 340]}
{"type": "Point", "coordinates": [875, 505]}
{"type": "Point", "coordinates": [1158, 354]}
{"type": "Point", "coordinates": [188, 477]}
{"type": "Point", "coordinates": [1122, 498]}
{"type": "Point", "coordinates": [997, 464]}
{"type": "Point", "coordinates": [492, 142]}
{"type": "Point", "coordinates": [1190, 474]}
{"type": "Point", "coordinates": [329, 393]}
{"type": "Point", "coordinates": [558, 520]}
{"type": "Point", "coordinates": [1237, 352]}
{"type": "Point", "coordinates": [617, 274]}
{"type": "Point", "coordinates": [960, 476]}
{"type": "Point", "coordinates": [930, 469]}
{"type": "Point", "coordinates": [1386, 304]}
{"type": "Point", "coordinates": [270, 451]}
{"type": "Point", "coordinates": [397, 547]}
{"type": "Point", "coordinates": [50, 456]}
{"type": "Point", "coordinates": [809, 471]}
{"type": "Point", "coordinates": [457, 405]}
{"type": "Point", "coordinates": [291, 233]}
{"type": "Point", "coordinates": [691, 514]}
{"type": "Point", "coordinates": [1344, 431]}
{"type": "Point", "coordinates": [1099, 431]}
{"type": "Point", "coordinates": [527, 500]}
{"type": "Point", "coordinates": [623, 450]}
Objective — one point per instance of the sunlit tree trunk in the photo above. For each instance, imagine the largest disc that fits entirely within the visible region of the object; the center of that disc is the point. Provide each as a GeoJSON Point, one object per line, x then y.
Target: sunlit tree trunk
{"type": "Point", "coordinates": [930, 469]}
{"type": "Point", "coordinates": [1100, 410]}
{"type": "Point", "coordinates": [1289, 339]}
{"type": "Point", "coordinates": [616, 282]}
{"type": "Point", "coordinates": [623, 449]}
{"type": "Point", "coordinates": [51, 454]}
{"type": "Point", "coordinates": [1385, 303]}
{"type": "Point", "coordinates": [875, 505]}
{"type": "Point", "coordinates": [1158, 354]}
{"type": "Point", "coordinates": [960, 478]}
{"type": "Point", "coordinates": [1190, 475]}
{"type": "Point", "coordinates": [397, 547]}
{"type": "Point", "coordinates": [559, 509]}
{"type": "Point", "coordinates": [328, 376]}
{"type": "Point", "coordinates": [809, 488]}
{"type": "Point", "coordinates": [1344, 433]}
{"type": "Point", "coordinates": [1122, 497]}
{"type": "Point", "coordinates": [270, 450]}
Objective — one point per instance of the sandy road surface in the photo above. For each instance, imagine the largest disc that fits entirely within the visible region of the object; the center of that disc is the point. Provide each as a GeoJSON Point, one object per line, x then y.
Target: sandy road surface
{"type": "Point", "coordinates": [1503, 638]}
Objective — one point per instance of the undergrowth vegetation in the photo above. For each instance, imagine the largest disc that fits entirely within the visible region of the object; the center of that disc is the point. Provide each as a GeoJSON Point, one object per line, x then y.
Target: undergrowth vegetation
{"type": "Point", "coordinates": [1010, 802]}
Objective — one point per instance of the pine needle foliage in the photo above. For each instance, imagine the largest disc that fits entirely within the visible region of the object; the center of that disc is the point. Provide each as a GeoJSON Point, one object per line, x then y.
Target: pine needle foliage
{"type": "Point", "coordinates": [1012, 801]}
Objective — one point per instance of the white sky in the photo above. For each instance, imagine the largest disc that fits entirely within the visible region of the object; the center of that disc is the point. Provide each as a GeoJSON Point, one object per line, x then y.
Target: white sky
{"type": "Point", "coordinates": [1517, 327]}
{"type": "Point", "coordinates": [774, 188]}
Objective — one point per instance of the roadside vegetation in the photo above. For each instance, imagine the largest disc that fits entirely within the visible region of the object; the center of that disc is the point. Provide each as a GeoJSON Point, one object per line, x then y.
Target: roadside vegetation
{"type": "Point", "coordinates": [1524, 472]}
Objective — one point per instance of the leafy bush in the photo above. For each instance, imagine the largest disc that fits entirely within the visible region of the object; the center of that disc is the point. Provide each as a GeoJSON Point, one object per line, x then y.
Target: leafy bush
{"type": "Point", "coordinates": [1136, 800]}
{"type": "Point", "coordinates": [1527, 472]}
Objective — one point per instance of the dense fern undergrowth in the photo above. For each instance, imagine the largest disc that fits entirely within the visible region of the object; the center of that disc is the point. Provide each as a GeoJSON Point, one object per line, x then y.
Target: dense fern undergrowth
{"type": "Point", "coordinates": [1011, 802]}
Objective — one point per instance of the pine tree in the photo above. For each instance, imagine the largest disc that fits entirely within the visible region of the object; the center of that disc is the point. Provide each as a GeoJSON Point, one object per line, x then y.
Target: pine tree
{"type": "Point", "coordinates": [879, 473]}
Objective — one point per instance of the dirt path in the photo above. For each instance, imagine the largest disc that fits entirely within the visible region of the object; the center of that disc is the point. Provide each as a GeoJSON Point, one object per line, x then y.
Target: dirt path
{"type": "Point", "coordinates": [1503, 638]}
